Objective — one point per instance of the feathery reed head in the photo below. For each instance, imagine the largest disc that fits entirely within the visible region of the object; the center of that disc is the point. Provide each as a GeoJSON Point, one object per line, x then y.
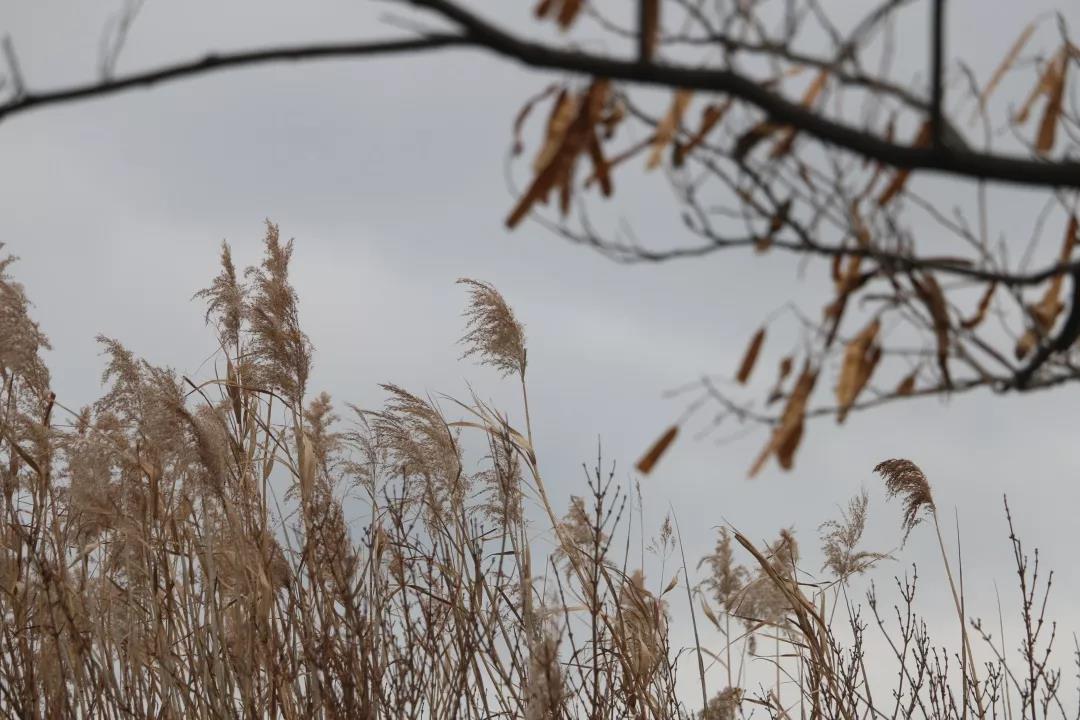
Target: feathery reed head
{"type": "Point", "coordinates": [225, 299]}
{"type": "Point", "coordinates": [281, 348]}
{"type": "Point", "coordinates": [22, 340]}
{"type": "Point", "coordinates": [420, 442]}
{"type": "Point", "coordinates": [726, 578]}
{"type": "Point", "coordinates": [840, 537]}
{"type": "Point", "coordinates": [904, 478]}
{"type": "Point", "coordinates": [492, 331]}
{"type": "Point", "coordinates": [724, 705]}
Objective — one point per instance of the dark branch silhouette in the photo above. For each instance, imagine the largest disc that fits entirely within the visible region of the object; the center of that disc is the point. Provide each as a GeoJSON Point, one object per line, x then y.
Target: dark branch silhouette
{"type": "Point", "coordinates": [25, 100]}
{"type": "Point", "coordinates": [478, 33]}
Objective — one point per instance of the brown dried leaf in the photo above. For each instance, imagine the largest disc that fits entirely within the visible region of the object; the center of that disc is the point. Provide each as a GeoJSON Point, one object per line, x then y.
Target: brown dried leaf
{"type": "Point", "coordinates": [1045, 86]}
{"type": "Point", "coordinates": [900, 178]}
{"type": "Point", "coordinates": [752, 137]}
{"type": "Point", "coordinates": [565, 11]}
{"type": "Point", "coordinates": [1006, 63]}
{"type": "Point", "coordinates": [621, 158]}
{"type": "Point", "coordinates": [862, 232]}
{"type": "Point", "coordinates": [523, 115]}
{"type": "Point", "coordinates": [555, 167]}
{"type": "Point", "coordinates": [649, 459]}
{"type": "Point", "coordinates": [850, 280]}
{"type": "Point", "coordinates": [781, 375]}
{"type": "Point", "coordinates": [836, 268]}
{"type": "Point", "coordinates": [601, 169]}
{"type": "Point", "coordinates": [1026, 343]}
{"type": "Point", "coordinates": [775, 223]}
{"type": "Point", "coordinates": [750, 356]}
{"type": "Point", "coordinates": [1056, 93]}
{"type": "Point", "coordinates": [785, 450]}
{"type": "Point", "coordinates": [538, 190]}
{"type": "Point", "coordinates": [907, 385]}
{"type": "Point", "coordinates": [563, 112]}
{"type": "Point", "coordinates": [788, 433]}
{"type": "Point", "coordinates": [980, 313]}
{"type": "Point", "coordinates": [930, 293]}
{"type": "Point", "coordinates": [1046, 311]}
{"type": "Point", "coordinates": [665, 131]}
{"type": "Point", "coordinates": [861, 356]}
{"type": "Point", "coordinates": [611, 120]}
{"type": "Point", "coordinates": [710, 116]}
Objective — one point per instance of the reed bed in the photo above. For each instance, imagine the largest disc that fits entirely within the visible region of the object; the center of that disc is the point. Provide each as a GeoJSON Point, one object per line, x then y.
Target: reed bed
{"type": "Point", "coordinates": [180, 548]}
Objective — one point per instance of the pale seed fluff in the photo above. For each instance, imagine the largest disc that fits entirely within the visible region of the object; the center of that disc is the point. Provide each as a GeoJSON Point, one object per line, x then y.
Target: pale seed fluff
{"type": "Point", "coordinates": [544, 693]}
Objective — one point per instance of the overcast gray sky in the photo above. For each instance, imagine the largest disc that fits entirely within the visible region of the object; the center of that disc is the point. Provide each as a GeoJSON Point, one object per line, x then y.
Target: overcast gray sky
{"type": "Point", "coordinates": [389, 174]}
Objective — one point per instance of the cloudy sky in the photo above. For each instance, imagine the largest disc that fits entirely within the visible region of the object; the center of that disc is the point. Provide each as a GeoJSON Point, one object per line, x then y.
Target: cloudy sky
{"type": "Point", "coordinates": [390, 175]}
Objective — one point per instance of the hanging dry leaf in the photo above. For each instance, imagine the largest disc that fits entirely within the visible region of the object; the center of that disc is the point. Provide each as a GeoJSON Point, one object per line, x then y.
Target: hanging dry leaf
{"type": "Point", "coordinates": [750, 356]}
{"type": "Point", "coordinates": [752, 137]}
{"type": "Point", "coordinates": [665, 131]}
{"type": "Point", "coordinates": [930, 293]}
{"type": "Point", "coordinates": [1055, 95]}
{"type": "Point", "coordinates": [861, 356]}
{"type": "Point", "coordinates": [563, 112]}
{"type": "Point", "coordinates": [791, 430]}
{"type": "Point", "coordinates": [601, 169]}
{"type": "Point", "coordinates": [781, 375]}
{"type": "Point", "coordinates": [980, 313]}
{"type": "Point", "coordinates": [907, 385]}
{"type": "Point", "coordinates": [620, 158]}
{"type": "Point", "coordinates": [861, 231]}
{"type": "Point", "coordinates": [788, 433]}
{"type": "Point", "coordinates": [613, 117]}
{"type": "Point", "coordinates": [835, 267]}
{"type": "Point", "coordinates": [565, 11]}
{"type": "Point", "coordinates": [648, 460]}
{"type": "Point", "coordinates": [523, 115]}
{"type": "Point", "coordinates": [1045, 86]}
{"type": "Point", "coordinates": [555, 167]}
{"type": "Point", "coordinates": [1026, 343]}
{"type": "Point", "coordinates": [710, 116]}
{"type": "Point", "coordinates": [850, 280]}
{"type": "Point", "coordinates": [1006, 63]}
{"type": "Point", "coordinates": [1045, 313]}
{"type": "Point", "coordinates": [775, 223]}
{"type": "Point", "coordinates": [899, 180]}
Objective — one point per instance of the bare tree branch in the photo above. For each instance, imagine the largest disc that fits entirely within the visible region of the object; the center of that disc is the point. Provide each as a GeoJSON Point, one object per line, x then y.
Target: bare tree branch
{"type": "Point", "coordinates": [944, 158]}
{"type": "Point", "coordinates": [29, 100]}
{"type": "Point", "coordinates": [479, 33]}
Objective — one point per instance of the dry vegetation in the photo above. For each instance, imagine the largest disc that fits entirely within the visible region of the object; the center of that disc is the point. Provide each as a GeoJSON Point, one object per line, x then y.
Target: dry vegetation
{"type": "Point", "coordinates": [180, 548]}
